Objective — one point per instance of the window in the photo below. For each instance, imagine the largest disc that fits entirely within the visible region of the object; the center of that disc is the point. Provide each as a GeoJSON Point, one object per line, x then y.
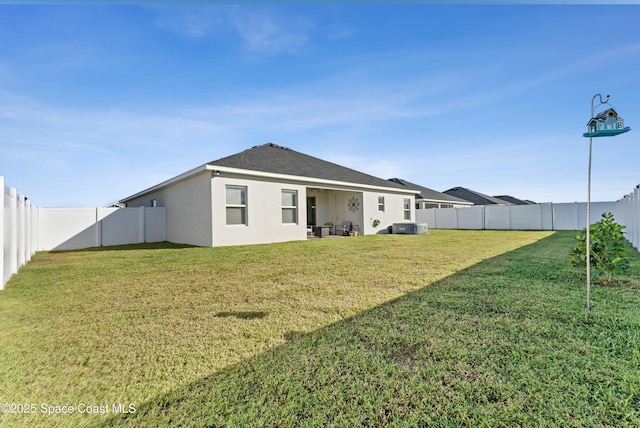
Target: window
{"type": "Point", "coordinates": [407, 209]}
{"type": "Point", "coordinates": [154, 203]}
{"type": "Point", "coordinates": [236, 205]}
{"type": "Point", "coordinates": [290, 206]}
{"type": "Point", "coordinates": [381, 203]}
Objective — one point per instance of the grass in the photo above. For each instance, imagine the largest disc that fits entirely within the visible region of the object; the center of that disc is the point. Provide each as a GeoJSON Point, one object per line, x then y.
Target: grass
{"type": "Point", "coordinates": [453, 328]}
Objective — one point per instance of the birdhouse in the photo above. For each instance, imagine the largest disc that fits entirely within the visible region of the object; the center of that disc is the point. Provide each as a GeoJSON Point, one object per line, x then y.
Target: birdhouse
{"type": "Point", "coordinates": [606, 124]}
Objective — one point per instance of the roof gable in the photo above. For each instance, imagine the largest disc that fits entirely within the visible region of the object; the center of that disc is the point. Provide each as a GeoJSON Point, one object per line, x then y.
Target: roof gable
{"type": "Point", "coordinates": [274, 159]}
{"type": "Point", "coordinates": [429, 194]}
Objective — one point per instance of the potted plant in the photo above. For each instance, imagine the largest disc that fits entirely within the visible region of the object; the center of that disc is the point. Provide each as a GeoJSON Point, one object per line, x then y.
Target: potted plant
{"type": "Point", "coordinates": [325, 230]}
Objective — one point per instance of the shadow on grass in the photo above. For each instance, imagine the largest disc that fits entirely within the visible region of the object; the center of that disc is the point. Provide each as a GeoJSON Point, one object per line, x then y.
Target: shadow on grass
{"type": "Point", "coordinates": [165, 245]}
{"type": "Point", "coordinates": [502, 343]}
{"type": "Point", "coordinates": [243, 315]}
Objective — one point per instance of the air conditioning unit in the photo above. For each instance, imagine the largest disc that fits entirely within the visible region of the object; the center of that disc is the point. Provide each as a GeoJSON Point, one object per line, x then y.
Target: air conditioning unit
{"type": "Point", "coordinates": [410, 228]}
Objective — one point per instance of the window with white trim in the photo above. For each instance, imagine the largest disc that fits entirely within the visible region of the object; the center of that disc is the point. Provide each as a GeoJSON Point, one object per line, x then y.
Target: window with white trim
{"type": "Point", "coordinates": [290, 207]}
{"type": "Point", "coordinates": [407, 208]}
{"type": "Point", "coordinates": [236, 205]}
{"type": "Point", "coordinates": [381, 203]}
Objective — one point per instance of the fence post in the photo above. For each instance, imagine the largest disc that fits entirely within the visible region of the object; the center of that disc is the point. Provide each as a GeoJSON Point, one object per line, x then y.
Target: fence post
{"type": "Point", "coordinates": [2, 237]}
{"type": "Point", "coordinates": [484, 217]}
{"type": "Point", "coordinates": [13, 238]}
{"type": "Point", "coordinates": [98, 226]}
{"type": "Point", "coordinates": [34, 231]}
{"type": "Point", "coordinates": [635, 217]}
{"type": "Point", "coordinates": [141, 234]}
{"type": "Point", "coordinates": [20, 217]}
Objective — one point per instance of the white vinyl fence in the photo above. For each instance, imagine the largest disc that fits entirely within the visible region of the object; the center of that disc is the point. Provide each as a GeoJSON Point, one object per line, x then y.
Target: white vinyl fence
{"type": "Point", "coordinates": [18, 231]}
{"type": "Point", "coordinates": [565, 216]}
{"type": "Point", "coordinates": [630, 216]}
{"type": "Point", "coordinates": [26, 228]}
{"type": "Point", "coordinates": [549, 216]}
{"type": "Point", "coordinates": [77, 228]}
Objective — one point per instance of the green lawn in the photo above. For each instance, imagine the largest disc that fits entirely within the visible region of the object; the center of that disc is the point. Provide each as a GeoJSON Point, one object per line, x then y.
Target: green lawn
{"type": "Point", "coordinates": [477, 328]}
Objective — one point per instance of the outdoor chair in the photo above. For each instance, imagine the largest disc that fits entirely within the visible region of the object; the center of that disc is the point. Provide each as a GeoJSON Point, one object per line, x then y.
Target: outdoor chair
{"type": "Point", "coordinates": [344, 228]}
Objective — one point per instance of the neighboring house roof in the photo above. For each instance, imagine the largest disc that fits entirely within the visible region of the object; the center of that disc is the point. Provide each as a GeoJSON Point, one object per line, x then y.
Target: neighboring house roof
{"type": "Point", "coordinates": [430, 194]}
{"type": "Point", "coordinates": [275, 159]}
{"type": "Point", "coordinates": [476, 197]}
{"type": "Point", "coordinates": [514, 201]}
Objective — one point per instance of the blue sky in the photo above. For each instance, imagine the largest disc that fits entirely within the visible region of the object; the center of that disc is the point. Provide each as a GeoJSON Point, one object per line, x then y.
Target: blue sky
{"type": "Point", "coordinates": [98, 102]}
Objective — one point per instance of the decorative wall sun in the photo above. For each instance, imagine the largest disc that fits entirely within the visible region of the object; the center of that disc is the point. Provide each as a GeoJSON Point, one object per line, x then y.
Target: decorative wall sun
{"type": "Point", "coordinates": [353, 204]}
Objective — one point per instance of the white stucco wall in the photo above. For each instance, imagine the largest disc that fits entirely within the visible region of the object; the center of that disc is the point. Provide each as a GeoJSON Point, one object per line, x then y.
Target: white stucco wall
{"type": "Point", "coordinates": [264, 212]}
{"type": "Point", "coordinates": [393, 211]}
{"type": "Point", "coordinates": [196, 208]}
{"type": "Point", "coordinates": [188, 209]}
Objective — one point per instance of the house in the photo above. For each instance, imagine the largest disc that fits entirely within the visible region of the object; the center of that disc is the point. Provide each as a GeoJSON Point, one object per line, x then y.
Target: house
{"type": "Point", "coordinates": [514, 201]}
{"type": "Point", "coordinates": [476, 198]}
{"type": "Point", "coordinates": [429, 198]}
{"type": "Point", "coordinates": [271, 193]}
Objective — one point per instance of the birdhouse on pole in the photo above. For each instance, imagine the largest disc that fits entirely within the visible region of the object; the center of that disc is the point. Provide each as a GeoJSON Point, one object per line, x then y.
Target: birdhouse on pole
{"type": "Point", "coordinates": [606, 124]}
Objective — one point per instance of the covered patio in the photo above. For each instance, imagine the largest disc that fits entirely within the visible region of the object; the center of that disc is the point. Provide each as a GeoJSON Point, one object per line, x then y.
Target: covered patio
{"type": "Point", "coordinates": [335, 211]}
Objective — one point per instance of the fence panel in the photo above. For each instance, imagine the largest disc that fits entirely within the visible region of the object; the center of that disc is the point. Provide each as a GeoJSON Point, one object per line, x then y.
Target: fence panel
{"type": "Point", "coordinates": [17, 232]}
{"type": "Point", "coordinates": [546, 216]}
{"type": "Point", "coordinates": [446, 218]}
{"type": "Point", "coordinates": [77, 228]}
{"type": "Point", "coordinates": [527, 217]}
{"type": "Point", "coordinates": [155, 220]}
{"type": "Point", "coordinates": [566, 216]}
{"type": "Point", "coordinates": [426, 216]}
{"type": "Point", "coordinates": [67, 228]}
{"type": "Point", "coordinates": [121, 226]}
{"type": "Point", "coordinates": [470, 218]}
{"type": "Point", "coordinates": [630, 216]}
{"type": "Point", "coordinates": [498, 217]}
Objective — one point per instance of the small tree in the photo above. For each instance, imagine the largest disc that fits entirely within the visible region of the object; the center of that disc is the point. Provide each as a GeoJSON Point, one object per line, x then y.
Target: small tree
{"type": "Point", "coordinates": [608, 255]}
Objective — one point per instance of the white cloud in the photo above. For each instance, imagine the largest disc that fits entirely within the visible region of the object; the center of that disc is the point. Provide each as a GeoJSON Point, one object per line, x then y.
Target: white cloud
{"type": "Point", "coordinates": [269, 31]}
{"type": "Point", "coordinates": [260, 29]}
{"type": "Point", "coordinates": [190, 20]}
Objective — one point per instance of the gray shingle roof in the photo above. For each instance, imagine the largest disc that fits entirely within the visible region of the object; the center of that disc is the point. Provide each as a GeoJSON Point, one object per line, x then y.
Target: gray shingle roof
{"type": "Point", "coordinates": [275, 159]}
{"type": "Point", "coordinates": [476, 197]}
{"type": "Point", "coordinates": [429, 194]}
{"type": "Point", "coordinates": [514, 201]}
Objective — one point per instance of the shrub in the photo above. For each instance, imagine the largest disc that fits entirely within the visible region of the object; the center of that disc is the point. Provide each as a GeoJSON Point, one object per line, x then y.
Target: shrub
{"type": "Point", "coordinates": [608, 255]}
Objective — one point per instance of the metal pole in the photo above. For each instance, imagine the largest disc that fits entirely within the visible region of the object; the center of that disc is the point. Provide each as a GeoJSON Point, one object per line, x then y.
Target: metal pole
{"type": "Point", "coordinates": [588, 228]}
{"type": "Point", "coordinates": [588, 248]}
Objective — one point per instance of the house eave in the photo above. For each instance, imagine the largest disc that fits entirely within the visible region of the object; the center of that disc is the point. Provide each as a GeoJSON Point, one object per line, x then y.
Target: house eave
{"type": "Point", "coordinates": [444, 201]}
{"type": "Point", "coordinates": [311, 181]}
{"type": "Point", "coordinates": [220, 170]}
